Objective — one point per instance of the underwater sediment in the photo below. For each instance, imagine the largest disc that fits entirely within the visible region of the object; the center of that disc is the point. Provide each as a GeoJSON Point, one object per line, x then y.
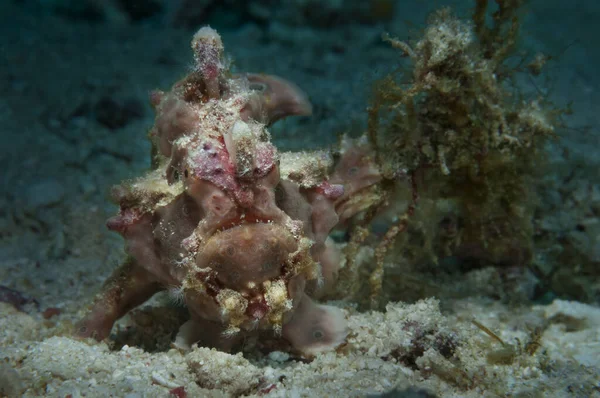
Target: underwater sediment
{"type": "Point", "coordinates": [418, 256]}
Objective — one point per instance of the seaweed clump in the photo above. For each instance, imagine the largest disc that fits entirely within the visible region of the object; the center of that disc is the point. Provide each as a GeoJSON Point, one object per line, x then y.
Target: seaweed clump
{"type": "Point", "coordinates": [467, 138]}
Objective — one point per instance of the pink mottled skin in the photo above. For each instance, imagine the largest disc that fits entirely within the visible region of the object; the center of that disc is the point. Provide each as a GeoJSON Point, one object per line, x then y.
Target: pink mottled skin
{"type": "Point", "coordinates": [247, 250]}
{"type": "Point", "coordinates": [357, 172]}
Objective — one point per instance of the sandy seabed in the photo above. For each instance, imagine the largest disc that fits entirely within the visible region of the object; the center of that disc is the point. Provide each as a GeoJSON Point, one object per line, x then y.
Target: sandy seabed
{"type": "Point", "coordinates": [410, 349]}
